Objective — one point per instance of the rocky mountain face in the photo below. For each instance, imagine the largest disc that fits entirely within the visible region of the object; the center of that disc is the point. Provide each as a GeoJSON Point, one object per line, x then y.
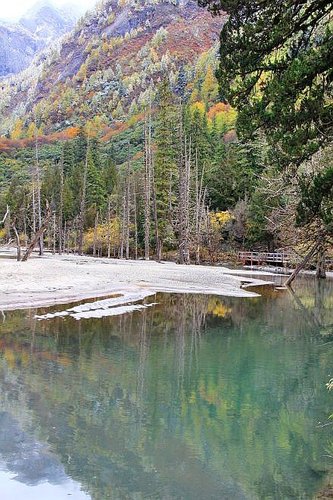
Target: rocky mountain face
{"type": "Point", "coordinates": [17, 48]}
{"type": "Point", "coordinates": [109, 65]}
{"type": "Point", "coordinates": [21, 41]}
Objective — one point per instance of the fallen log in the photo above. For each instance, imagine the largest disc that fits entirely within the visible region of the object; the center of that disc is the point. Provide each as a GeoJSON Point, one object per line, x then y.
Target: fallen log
{"type": "Point", "coordinates": [37, 236]}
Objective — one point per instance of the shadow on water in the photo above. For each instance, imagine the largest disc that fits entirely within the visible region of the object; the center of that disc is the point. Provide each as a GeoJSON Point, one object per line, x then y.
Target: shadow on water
{"type": "Point", "coordinates": [197, 397]}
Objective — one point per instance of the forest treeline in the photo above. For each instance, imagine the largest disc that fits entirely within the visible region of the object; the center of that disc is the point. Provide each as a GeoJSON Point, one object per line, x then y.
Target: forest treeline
{"type": "Point", "coordinates": [187, 176]}
{"type": "Point", "coordinates": [157, 191]}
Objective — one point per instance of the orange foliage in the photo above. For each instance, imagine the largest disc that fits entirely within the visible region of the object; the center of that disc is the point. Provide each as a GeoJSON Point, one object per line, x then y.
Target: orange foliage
{"type": "Point", "coordinates": [7, 145]}
{"type": "Point", "coordinates": [218, 108]}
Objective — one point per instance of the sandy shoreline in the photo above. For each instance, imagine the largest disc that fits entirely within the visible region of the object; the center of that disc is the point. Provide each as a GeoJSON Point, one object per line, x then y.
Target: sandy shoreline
{"type": "Point", "coordinates": [62, 279]}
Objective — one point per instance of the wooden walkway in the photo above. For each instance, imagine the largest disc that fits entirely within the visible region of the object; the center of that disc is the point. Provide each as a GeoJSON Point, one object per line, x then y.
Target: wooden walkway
{"type": "Point", "coordinates": [282, 259]}
{"type": "Point", "coordinates": [259, 258]}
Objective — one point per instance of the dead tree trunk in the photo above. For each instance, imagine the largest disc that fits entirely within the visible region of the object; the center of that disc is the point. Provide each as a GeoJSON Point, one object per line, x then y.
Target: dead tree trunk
{"type": "Point", "coordinates": [83, 202]}
{"type": "Point", "coordinates": [95, 234]}
{"type": "Point", "coordinates": [200, 196]}
{"type": "Point", "coordinates": [184, 205]}
{"type": "Point", "coordinates": [147, 184]}
{"type": "Point", "coordinates": [61, 204]}
{"type": "Point", "coordinates": [135, 212]}
{"type": "Point", "coordinates": [39, 202]}
{"type": "Point", "coordinates": [123, 224]}
{"type": "Point", "coordinates": [65, 237]}
{"type": "Point", "coordinates": [158, 242]}
{"type": "Point", "coordinates": [197, 210]}
{"type": "Point", "coordinates": [5, 216]}
{"type": "Point", "coordinates": [37, 236]}
{"type": "Point", "coordinates": [109, 229]}
{"type": "Point", "coordinates": [18, 243]}
{"type": "Point", "coordinates": [301, 266]}
{"type": "Point", "coordinates": [127, 209]}
{"type": "Point", "coordinates": [54, 234]}
{"type": "Point", "coordinates": [181, 188]}
{"type": "Point", "coordinates": [25, 229]}
{"type": "Point", "coordinates": [34, 224]}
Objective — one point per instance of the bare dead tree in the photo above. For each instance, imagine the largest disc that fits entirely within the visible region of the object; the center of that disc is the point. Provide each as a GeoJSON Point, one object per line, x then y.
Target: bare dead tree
{"type": "Point", "coordinates": [147, 182]}
{"type": "Point", "coordinates": [54, 236]}
{"type": "Point", "coordinates": [128, 207]}
{"type": "Point", "coordinates": [200, 200]}
{"type": "Point", "coordinates": [83, 201]}
{"type": "Point", "coordinates": [34, 218]}
{"type": "Point", "coordinates": [95, 234]}
{"type": "Point", "coordinates": [123, 224]}
{"type": "Point", "coordinates": [65, 237]}
{"type": "Point", "coordinates": [5, 216]}
{"type": "Point", "coordinates": [18, 242]}
{"type": "Point", "coordinates": [38, 186]}
{"type": "Point", "coordinates": [158, 243]}
{"type": "Point", "coordinates": [61, 203]}
{"type": "Point", "coordinates": [184, 202]}
{"type": "Point", "coordinates": [135, 220]}
{"type": "Point", "coordinates": [109, 228]}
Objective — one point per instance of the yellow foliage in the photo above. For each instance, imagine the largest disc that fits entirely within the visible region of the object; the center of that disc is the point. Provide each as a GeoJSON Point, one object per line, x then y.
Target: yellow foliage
{"type": "Point", "coordinates": [195, 96]}
{"type": "Point", "coordinates": [198, 106]}
{"type": "Point", "coordinates": [82, 73]}
{"type": "Point", "coordinates": [31, 133]}
{"type": "Point", "coordinates": [102, 235]}
{"type": "Point", "coordinates": [219, 219]}
{"type": "Point", "coordinates": [210, 86]}
{"type": "Point", "coordinates": [2, 233]}
{"type": "Point", "coordinates": [17, 132]}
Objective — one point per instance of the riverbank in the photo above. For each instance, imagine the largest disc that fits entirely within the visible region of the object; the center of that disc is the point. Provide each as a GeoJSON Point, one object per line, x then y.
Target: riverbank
{"type": "Point", "coordinates": [57, 279]}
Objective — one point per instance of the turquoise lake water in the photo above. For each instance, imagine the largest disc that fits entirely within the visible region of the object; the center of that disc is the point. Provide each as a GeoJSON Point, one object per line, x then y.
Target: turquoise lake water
{"type": "Point", "coordinates": [197, 397]}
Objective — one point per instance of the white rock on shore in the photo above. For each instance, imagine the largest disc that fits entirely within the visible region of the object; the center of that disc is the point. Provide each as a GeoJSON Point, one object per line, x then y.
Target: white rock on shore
{"type": "Point", "coordinates": [62, 279]}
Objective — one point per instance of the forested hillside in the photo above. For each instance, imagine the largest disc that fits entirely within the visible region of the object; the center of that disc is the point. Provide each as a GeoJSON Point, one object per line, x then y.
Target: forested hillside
{"type": "Point", "coordinates": [111, 63]}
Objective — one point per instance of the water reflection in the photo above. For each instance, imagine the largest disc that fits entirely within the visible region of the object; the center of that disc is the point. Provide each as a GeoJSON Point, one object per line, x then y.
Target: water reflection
{"type": "Point", "coordinates": [198, 397]}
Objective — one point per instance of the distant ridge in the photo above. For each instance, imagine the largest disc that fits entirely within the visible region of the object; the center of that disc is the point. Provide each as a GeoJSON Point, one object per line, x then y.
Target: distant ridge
{"type": "Point", "coordinates": [20, 41]}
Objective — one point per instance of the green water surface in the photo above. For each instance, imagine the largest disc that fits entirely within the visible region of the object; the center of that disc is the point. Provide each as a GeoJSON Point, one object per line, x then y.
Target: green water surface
{"type": "Point", "coordinates": [195, 398]}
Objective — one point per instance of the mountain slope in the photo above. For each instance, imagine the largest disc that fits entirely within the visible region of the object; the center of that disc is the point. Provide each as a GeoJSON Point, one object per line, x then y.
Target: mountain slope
{"type": "Point", "coordinates": [48, 22]}
{"type": "Point", "coordinates": [21, 41]}
{"type": "Point", "coordinates": [17, 48]}
{"type": "Point", "coordinates": [111, 62]}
